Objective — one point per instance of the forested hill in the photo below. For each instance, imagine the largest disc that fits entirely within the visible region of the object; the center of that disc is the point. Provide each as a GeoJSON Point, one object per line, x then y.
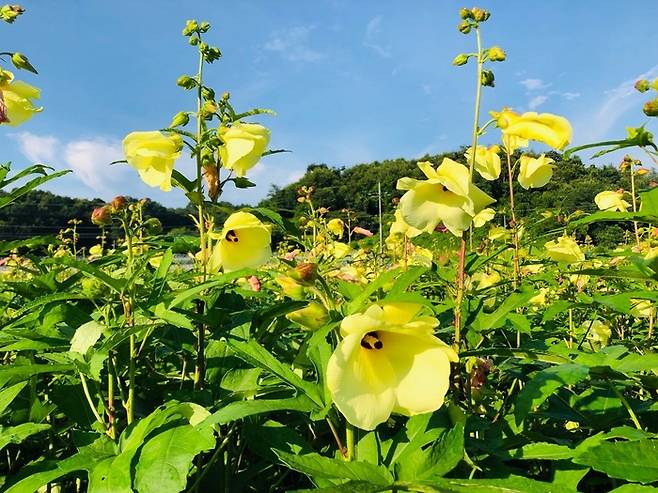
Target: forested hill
{"type": "Point", "coordinates": [573, 187]}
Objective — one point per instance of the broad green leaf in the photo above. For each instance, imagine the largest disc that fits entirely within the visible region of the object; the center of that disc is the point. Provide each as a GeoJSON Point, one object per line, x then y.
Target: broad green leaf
{"type": "Point", "coordinates": [257, 355]}
{"type": "Point", "coordinates": [436, 461]}
{"type": "Point", "coordinates": [18, 433]}
{"type": "Point", "coordinates": [512, 484]}
{"type": "Point", "coordinates": [23, 372]}
{"type": "Point", "coordinates": [165, 460]}
{"type": "Point", "coordinates": [541, 450]}
{"type": "Point", "coordinates": [30, 185]}
{"type": "Point", "coordinates": [90, 269]}
{"type": "Point", "coordinates": [362, 300]}
{"type": "Point", "coordinates": [543, 384]}
{"type": "Point", "coordinates": [9, 394]}
{"type": "Point", "coordinates": [86, 336]}
{"type": "Point", "coordinates": [243, 409]}
{"type": "Point", "coordinates": [318, 466]}
{"type": "Point", "coordinates": [489, 321]}
{"type": "Point", "coordinates": [349, 487]}
{"type": "Point", "coordinates": [218, 280]}
{"type": "Point", "coordinates": [632, 461]}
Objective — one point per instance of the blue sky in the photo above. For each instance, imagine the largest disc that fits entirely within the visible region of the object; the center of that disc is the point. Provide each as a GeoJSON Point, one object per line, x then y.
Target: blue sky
{"type": "Point", "coordinates": [350, 81]}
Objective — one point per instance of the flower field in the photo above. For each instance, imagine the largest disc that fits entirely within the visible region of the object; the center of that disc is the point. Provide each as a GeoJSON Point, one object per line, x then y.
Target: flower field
{"type": "Point", "coordinates": [448, 350]}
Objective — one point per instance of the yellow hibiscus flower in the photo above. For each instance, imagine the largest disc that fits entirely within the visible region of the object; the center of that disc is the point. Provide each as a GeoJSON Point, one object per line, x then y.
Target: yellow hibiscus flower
{"type": "Point", "coordinates": [244, 242]}
{"type": "Point", "coordinates": [487, 161]}
{"type": "Point", "coordinates": [16, 100]}
{"type": "Point", "coordinates": [611, 201]}
{"type": "Point", "coordinates": [565, 249]}
{"type": "Point", "coordinates": [388, 361]}
{"type": "Point", "coordinates": [153, 154]}
{"type": "Point", "coordinates": [447, 196]}
{"type": "Point", "coordinates": [336, 226]}
{"type": "Point", "coordinates": [244, 144]}
{"type": "Point", "coordinates": [535, 172]}
{"type": "Point", "coordinates": [550, 129]}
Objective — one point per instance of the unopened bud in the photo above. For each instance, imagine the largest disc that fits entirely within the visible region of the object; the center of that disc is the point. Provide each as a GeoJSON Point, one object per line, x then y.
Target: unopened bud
{"type": "Point", "coordinates": [209, 108]}
{"type": "Point", "coordinates": [191, 27]}
{"type": "Point", "coordinates": [9, 13]}
{"type": "Point", "coordinates": [480, 15]}
{"type": "Point", "coordinates": [180, 119]}
{"type": "Point", "coordinates": [186, 82]}
{"type": "Point", "coordinates": [101, 216]}
{"type": "Point", "coordinates": [460, 60]}
{"type": "Point", "coordinates": [487, 79]}
{"type": "Point", "coordinates": [654, 84]}
{"type": "Point", "coordinates": [193, 40]}
{"type": "Point", "coordinates": [641, 171]}
{"type": "Point", "coordinates": [496, 54]}
{"type": "Point", "coordinates": [465, 13]}
{"type": "Point", "coordinates": [306, 272]}
{"type": "Point", "coordinates": [208, 94]}
{"type": "Point", "coordinates": [313, 316]}
{"type": "Point", "coordinates": [226, 96]}
{"type": "Point", "coordinates": [21, 62]}
{"type": "Point", "coordinates": [464, 27]}
{"type": "Point", "coordinates": [204, 26]}
{"type": "Point", "coordinates": [651, 108]}
{"type": "Point", "coordinates": [642, 85]}
{"type": "Point", "coordinates": [118, 203]}
{"type": "Point", "coordinates": [290, 287]}
{"type": "Point", "coordinates": [153, 226]}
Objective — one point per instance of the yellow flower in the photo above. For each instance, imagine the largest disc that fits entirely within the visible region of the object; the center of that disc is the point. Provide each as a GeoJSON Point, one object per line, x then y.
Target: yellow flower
{"type": "Point", "coordinates": [244, 242]}
{"type": "Point", "coordinates": [599, 332]}
{"type": "Point", "coordinates": [338, 249]}
{"type": "Point", "coordinates": [539, 299]}
{"type": "Point", "coordinates": [399, 226]}
{"type": "Point", "coordinates": [17, 97]}
{"type": "Point", "coordinates": [487, 161]}
{"type": "Point", "coordinates": [611, 201]}
{"type": "Point", "coordinates": [483, 217]}
{"type": "Point", "coordinates": [565, 249]}
{"type": "Point", "coordinates": [153, 155]}
{"type": "Point", "coordinates": [336, 226]}
{"type": "Point", "coordinates": [388, 361]}
{"type": "Point", "coordinates": [244, 144]}
{"type": "Point", "coordinates": [313, 316]}
{"type": "Point", "coordinates": [447, 196]}
{"type": "Point", "coordinates": [552, 130]}
{"type": "Point", "coordinates": [497, 233]}
{"type": "Point", "coordinates": [485, 280]}
{"type": "Point", "coordinates": [535, 172]}
{"type": "Point", "coordinates": [641, 308]}
{"type": "Point", "coordinates": [96, 250]}
{"type": "Point", "coordinates": [511, 143]}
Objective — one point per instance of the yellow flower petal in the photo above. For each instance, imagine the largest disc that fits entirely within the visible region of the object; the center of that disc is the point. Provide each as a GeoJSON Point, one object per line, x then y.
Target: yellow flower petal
{"type": "Point", "coordinates": [487, 161]}
{"type": "Point", "coordinates": [153, 154]}
{"type": "Point", "coordinates": [550, 129]}
{"type": "Point", "coordinates": [18, 97]}
{"type": "Point", "coordinates": [243, 243]}
{"type": "Point", "coordinates": [611, 201]}
{"type": "Point", "coordinates": [244, 145]}
{"type": "Point", "coordinates": [535, 172]}
{"type": "Point", "coordinates": [565, 249]}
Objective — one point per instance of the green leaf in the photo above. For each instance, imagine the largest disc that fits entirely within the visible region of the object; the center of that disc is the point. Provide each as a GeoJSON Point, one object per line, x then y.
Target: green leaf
{"type": "Point", "coordinates": [257, 355]}
{"type": "Point", "coordinates": [363, 299]}
{"type": "Point", "coordinates": [632, 461]}
{"type": "Point", "coordinates": [541, 450]}
{"type": "Point", "coordinates": [88, 268]}
{"type": "Point", "coordinates": [219, 280]}
{"type": "Point", "coordinates": [283, 223]}
{"type": "Point", "coordinates": [243, 409]}
{"type": "Point", "coordinates": [543, 384]}
{"type": "Point", "coordinates": [8, 395]}
{"type": "Point", "coordinates": [86, 336]}
{"type": "Point", "coordinates": [512, 484]}
{"type": "Point", "coordinates": [30, 185]}
{"type": "Point", "coordinates": [165, 460]}
{"type": "Point", "coordinates": [437, 461]}
{"type": "Point", "coordinates": [318, 466]}
{"type": "Point", "coordinates": [16, 434]}
{"type": "Point", "coordinates": [349, 487]}
{"type": "Point", "coordinates": [23, 372]}
{"type": "Point", "coordinates": [242, 182]}
{"type": "Point", "coordinates": [489, 321]}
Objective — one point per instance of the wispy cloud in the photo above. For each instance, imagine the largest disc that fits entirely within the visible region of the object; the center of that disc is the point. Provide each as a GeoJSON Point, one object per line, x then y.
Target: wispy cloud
{"type": "Point", "coordinates": [90, 161]}
{"type": "Point", "coordinates": [292, 44]}
{"type": "Point", "coordinates": [534, 84]}
{"type": "Point", "coordinates": [372, 38]}
{"type": "Point", "coordinates": [616, 102]}
{"type": "Point", "coordinates": [537, 101]}
{"type": "Point", "coordinates": [37, 148]}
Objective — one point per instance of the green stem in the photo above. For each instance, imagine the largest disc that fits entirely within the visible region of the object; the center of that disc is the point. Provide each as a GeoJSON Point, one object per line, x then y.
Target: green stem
{"type": "Point", "coordinates": [637, 233]}
{"type": "Point", "coordinates": [349, 441]}
{"type": "Point", "coordinates": [90, 401]}
{"type": "Point", "coordinates": [478, 93]}
{"type": "Point", "coordinates": [628, 407]}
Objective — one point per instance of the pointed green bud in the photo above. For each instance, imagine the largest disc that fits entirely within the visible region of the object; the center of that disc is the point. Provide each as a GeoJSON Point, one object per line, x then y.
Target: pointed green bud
{"type": "Point", "coordinates": [204, 27]}
{"type": "Point", "coordinates": [651, 108]}
{"type": "Point", "coordinates": [654, 84]}
{"type": "Point", "coordinates": [496, 54]}
{"type": "Point", "coordinates": [312, 317]}
{"type": "Point", "coordinates": [487, 79]}
{"type": "Point", "coordinates": [208, 94]}
{"type": "Point", "coordinates": [464, 27]}
{"type": "Point", "coordinates": [9, 13]}
{"type": "Point", "coordinates": [642, 85]}
{"type": "Point", "coordinates": [480, 15]}
{"type": "Point", "coordinates": [465, 14]}
{"type": "Point", "coordinates": [186, 82]}
{"type": "Point", "coordinates": [190, 28]}
{"type": "Point", "coordinates": [460, 60]}
{"type": "Point", "coordinates": [21, 62]}
{"type": "Point", "coordinates": [180, 119]}
{"type": "Point", "coordinates": [153, 226]}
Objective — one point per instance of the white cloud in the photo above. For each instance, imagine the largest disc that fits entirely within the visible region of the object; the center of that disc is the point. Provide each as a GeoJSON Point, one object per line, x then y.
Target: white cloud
{"type": "Point", "coordinates": [90, 161]}
{"type": "Point", "coordinates": [569, 96]}
{"type": "Point", "coordinates": [533, 84]}
{"type": "Point", "coordinates": [371, 40]}
{"type": "Point", "coordinates": [617, 101]}
{"type": "Point", "coordinates": [37, 148]}
{"type": "Point", "coordinates": [427, 89]}
{"type": "Point", "coordinates": [537, 101]}
{"type": "Point", "coordinates": [291, 44]}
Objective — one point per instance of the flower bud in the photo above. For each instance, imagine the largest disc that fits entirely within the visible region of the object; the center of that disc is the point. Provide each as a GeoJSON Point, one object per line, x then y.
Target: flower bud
{"type": "Point", "coordinates": [153, 226]}
{"type": "Point", "coordinates": [9, 13]}
{"type": "Point", "coordinates": [186, 82]}
{"type": "Point", "coordinates": [654, 84]}
{"type": "Point", "coordinates": [464, 27]}
{"type": "Point", "coordinates": [290, 287]}
{"type": "Point", "coordinates": [305, 272]}
{"type": "Point", "coordinates": [651, 108]}
{"type": "Point", "coordinates": [487, 79]}
{"type": "Point", "coordinates": [193, 40]}
{"type": "Point", "coordinates": [641, 171]}
{"type": "Point", "coordinates": [480, 15]}
{"type": "Point", "coordinates": [21, 62]}
{"type": "Point", "coordinates": [226, 96]}
{"type": "Point", "coordinates": [101, 216]}
{"type": "Point", "coordinates": [460, 60]}
{"type": "Point", "coordinates": [205, 25]}
{"type": "Point", "coordinates": [208, 94]}
{"type": "Point", "coordinates": [642, 85]}
{"type": "Point", "coordinates": [496, 54]}
{"type": "Point", "coordinates": [465, 13]}
{"type": "Point", "coordinates": [312, 317]}
{"type": "Point", "coordinates": [209, 108]}
{"type": "Point", "coordinates": [180, 120]}
{"type": "Point", "coordinates": [191, 27]}
{"type": "Point", "coordinates": [118, 203]}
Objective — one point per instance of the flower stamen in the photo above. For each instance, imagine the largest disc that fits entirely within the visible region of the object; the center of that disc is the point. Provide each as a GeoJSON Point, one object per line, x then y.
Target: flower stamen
{"type": "Point", "coordinates": [371, 341]}
{"type": "Point", "coordinates": [231, 236]}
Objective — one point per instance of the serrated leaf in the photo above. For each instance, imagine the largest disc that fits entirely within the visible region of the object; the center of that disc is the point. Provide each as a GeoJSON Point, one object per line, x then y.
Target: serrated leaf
{"type": "Point", "coordinates": [18, 433]}
{"type": "Point", "coordinates": [632, 461]}
{"type": "Point", "coordinates": [243, 409]}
